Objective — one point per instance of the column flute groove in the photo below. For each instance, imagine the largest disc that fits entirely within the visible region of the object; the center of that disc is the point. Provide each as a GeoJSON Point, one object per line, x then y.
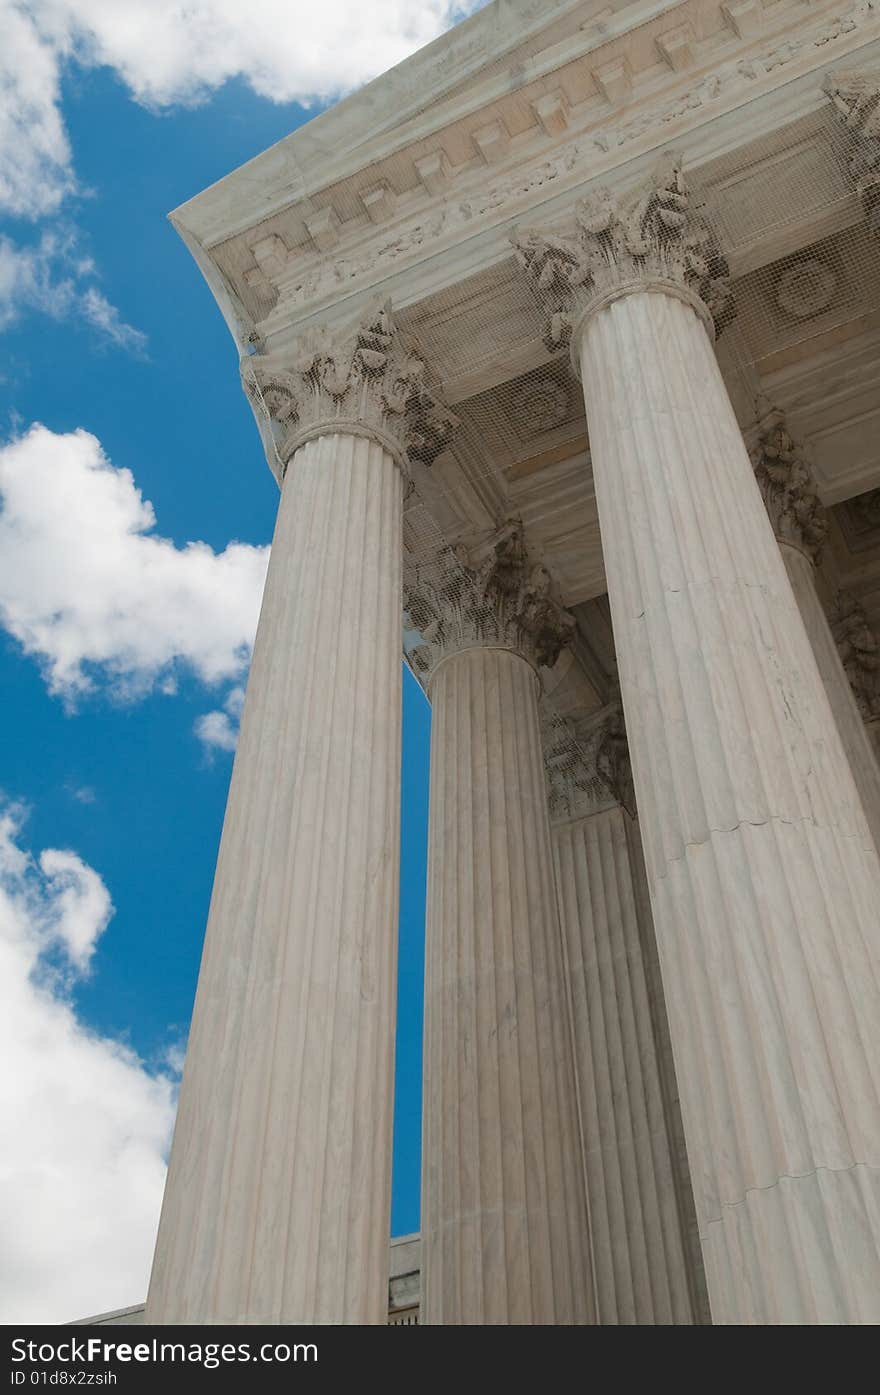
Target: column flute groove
{"type": "Point", "coordinates": [498, 1063]}
{"type": "Point", "coordinates": [764, 879]}
{"type": "Point", "coordinates": [278, 1196]}
{"type": "Point", "coordinates": [801, 526]}
{"type": "Point", "coordinates": [647, 1267]}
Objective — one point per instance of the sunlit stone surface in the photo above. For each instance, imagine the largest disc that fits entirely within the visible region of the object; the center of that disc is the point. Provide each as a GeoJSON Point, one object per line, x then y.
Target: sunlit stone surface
{"type": "Point", "coordinates": [679, 205]}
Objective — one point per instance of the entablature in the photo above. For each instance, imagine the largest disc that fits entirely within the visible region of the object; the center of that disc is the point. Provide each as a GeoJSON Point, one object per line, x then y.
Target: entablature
{"type": "Point", "coordinates": [523, 137]}
{"type": "Point", "coordinates": [412, 188]}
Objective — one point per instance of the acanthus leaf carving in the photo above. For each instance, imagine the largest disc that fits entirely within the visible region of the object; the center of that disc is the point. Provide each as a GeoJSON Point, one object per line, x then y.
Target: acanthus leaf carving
{"type": "Point", "coordinates": [786, 482]}
{"type": "Point", "coordinates": [654, 235]}
{"type": "Point", "coordinates": [859, 652]}
{"type": "Point", "coordinates": [497, 595]}
{"type": "Point", "coordinates": [586, 763]}
{"type": "Point", "coordinates": [360, 378]}
{"type": "Point", "coordinates": [856, 98]}
{"type": "Point", "coordinates": [498, 199]}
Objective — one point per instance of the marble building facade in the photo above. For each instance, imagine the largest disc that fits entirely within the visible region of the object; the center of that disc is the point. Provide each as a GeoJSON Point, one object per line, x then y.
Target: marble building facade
{"type": "Point", "coordinates": [563, 341]}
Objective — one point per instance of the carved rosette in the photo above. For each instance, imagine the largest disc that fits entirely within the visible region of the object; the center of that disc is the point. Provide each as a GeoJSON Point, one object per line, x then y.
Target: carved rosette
{"type": "Point", "coordinates": [586, 763]}
{"type": "Point", "coordinates": [859, 652]}
{"type": "Point", "coordinates": [360, 379]}
{"type": "Point", "coordinates": [654, 237]}
{"type": "Point", "coordinates": [786, 483]}
{"type": "Point", "coordinates": [496, 596]}
{"type": "Point", "coordinates": [856, 99]}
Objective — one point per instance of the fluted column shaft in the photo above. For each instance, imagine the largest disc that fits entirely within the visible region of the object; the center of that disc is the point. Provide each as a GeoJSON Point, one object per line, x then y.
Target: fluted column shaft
{"type": "Point", "coordinates": [853, 732]}
{"type": "Point", "coordinates": [764, 882]}
{"type": "Point", "coordinates": [641, 1211]}
{"type": "Point", "coordinates": [504, 1230]}
{"type": "Point", "coordinates": [278, 1196]}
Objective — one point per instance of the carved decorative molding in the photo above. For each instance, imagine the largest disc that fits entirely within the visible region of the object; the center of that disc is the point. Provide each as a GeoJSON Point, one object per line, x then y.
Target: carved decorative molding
{"type": "Point", "coordinates": [360, 379]}
{"type": "Point", "coordinates": [497, 595]}
{"type": "Point", "coordinates": [806, 288]}
{"type": "Point", "coordinates": [859, 652]}
{"type": "Point", "coordinates": [730, 82]}
{"type": "Point", "coordinates": [586, 761]}
{"type": "Point", "coordinates": [786, 483]}
{"type": "Point", "coordinates": [540, 404]}
{"type": "Point", "coordinates": [655, 236]}
{"type": "Point", "coordinates": [856, 98]}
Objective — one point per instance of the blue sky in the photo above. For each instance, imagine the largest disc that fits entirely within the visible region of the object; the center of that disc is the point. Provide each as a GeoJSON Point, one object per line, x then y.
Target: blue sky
{"type": "Point", "coordinates": [123, 647]}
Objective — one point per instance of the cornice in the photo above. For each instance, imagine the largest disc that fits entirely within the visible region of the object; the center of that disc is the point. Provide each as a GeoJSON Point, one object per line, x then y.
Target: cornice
{"type": "Point", "coordinates": [422, 97]}
{"type": "Point", "coordinates": [540, 166]}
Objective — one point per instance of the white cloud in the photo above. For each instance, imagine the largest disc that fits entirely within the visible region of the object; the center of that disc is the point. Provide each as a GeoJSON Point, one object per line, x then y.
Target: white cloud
{"type": "Point", "coordinates": [90, 589]}
{"type": "Point", "coordinates": [168, 52]}
{"type": "Point", "coordinates": [83, 794]}
{"type": "Point", "coordinates": [35, 158]}
{"type": "Point", "coordinates": [84, 1126]}
{"type": "Point", "coordinates": [218, 730]}
{"type": "Point", "coordinates": [50, 276]}
{"type": "Point", "coordinates": [106, 318]}
{"type": "Point", "coordinates": [29, 278]}
{"type": "Point", "coordinates": [80, 905]}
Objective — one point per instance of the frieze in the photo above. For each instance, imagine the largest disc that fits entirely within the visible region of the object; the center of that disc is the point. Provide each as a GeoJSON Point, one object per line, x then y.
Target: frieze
{"type": "Point", "coordinates": [507, 194]}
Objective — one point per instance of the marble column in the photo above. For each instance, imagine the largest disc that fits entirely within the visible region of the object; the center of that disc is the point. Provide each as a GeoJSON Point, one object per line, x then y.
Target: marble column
{"type": "Point", "coordinates": [801, 526]}
{"type": "Point", "coordinates": [764, 881]}
{"type": "Point", "coordinates": [504, 1228]}
{"type": "Point", "coordinates": [277, 1202]}
{"type": "Point", "coordinates": [646, 1252]}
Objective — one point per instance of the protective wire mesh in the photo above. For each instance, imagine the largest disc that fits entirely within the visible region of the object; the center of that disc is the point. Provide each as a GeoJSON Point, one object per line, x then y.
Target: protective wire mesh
{"type": "Point", "coordinates": [792, 207]}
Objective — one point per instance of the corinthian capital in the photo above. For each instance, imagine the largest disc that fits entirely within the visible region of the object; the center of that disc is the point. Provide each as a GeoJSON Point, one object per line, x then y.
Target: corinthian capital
{"type": "Point", "coordinates": [497, 596]}
{"type": "Point", "coordinates": [653, 237]}
{"type": "Point", "coordinates": [856, 98]}
{"type": "Point", "coordinates": [586, 762]}
{"type": "Point", "coordinates": [860, 653]}
{"type": "Point", "coordinates": [786, 482]}
{"type": "Point", "coordinates": [360, 379]}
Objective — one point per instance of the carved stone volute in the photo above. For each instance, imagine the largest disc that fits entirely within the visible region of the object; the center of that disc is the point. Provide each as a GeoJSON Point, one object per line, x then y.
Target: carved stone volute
{"type": "Point", "coordinates": [362, 380]}
{"type": "Point", "coordinates": [586, 760]}
{"type": "Point", "coordinates": [856, 99]}
{"type": "Point", "coordinates": [859, 653]}
{"type": "Point", "coordinates": [496, 595]}
{"type": "Point", "coordinates": [654, 237]}
{"type": "Point", "coordinates": [786, 483]}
